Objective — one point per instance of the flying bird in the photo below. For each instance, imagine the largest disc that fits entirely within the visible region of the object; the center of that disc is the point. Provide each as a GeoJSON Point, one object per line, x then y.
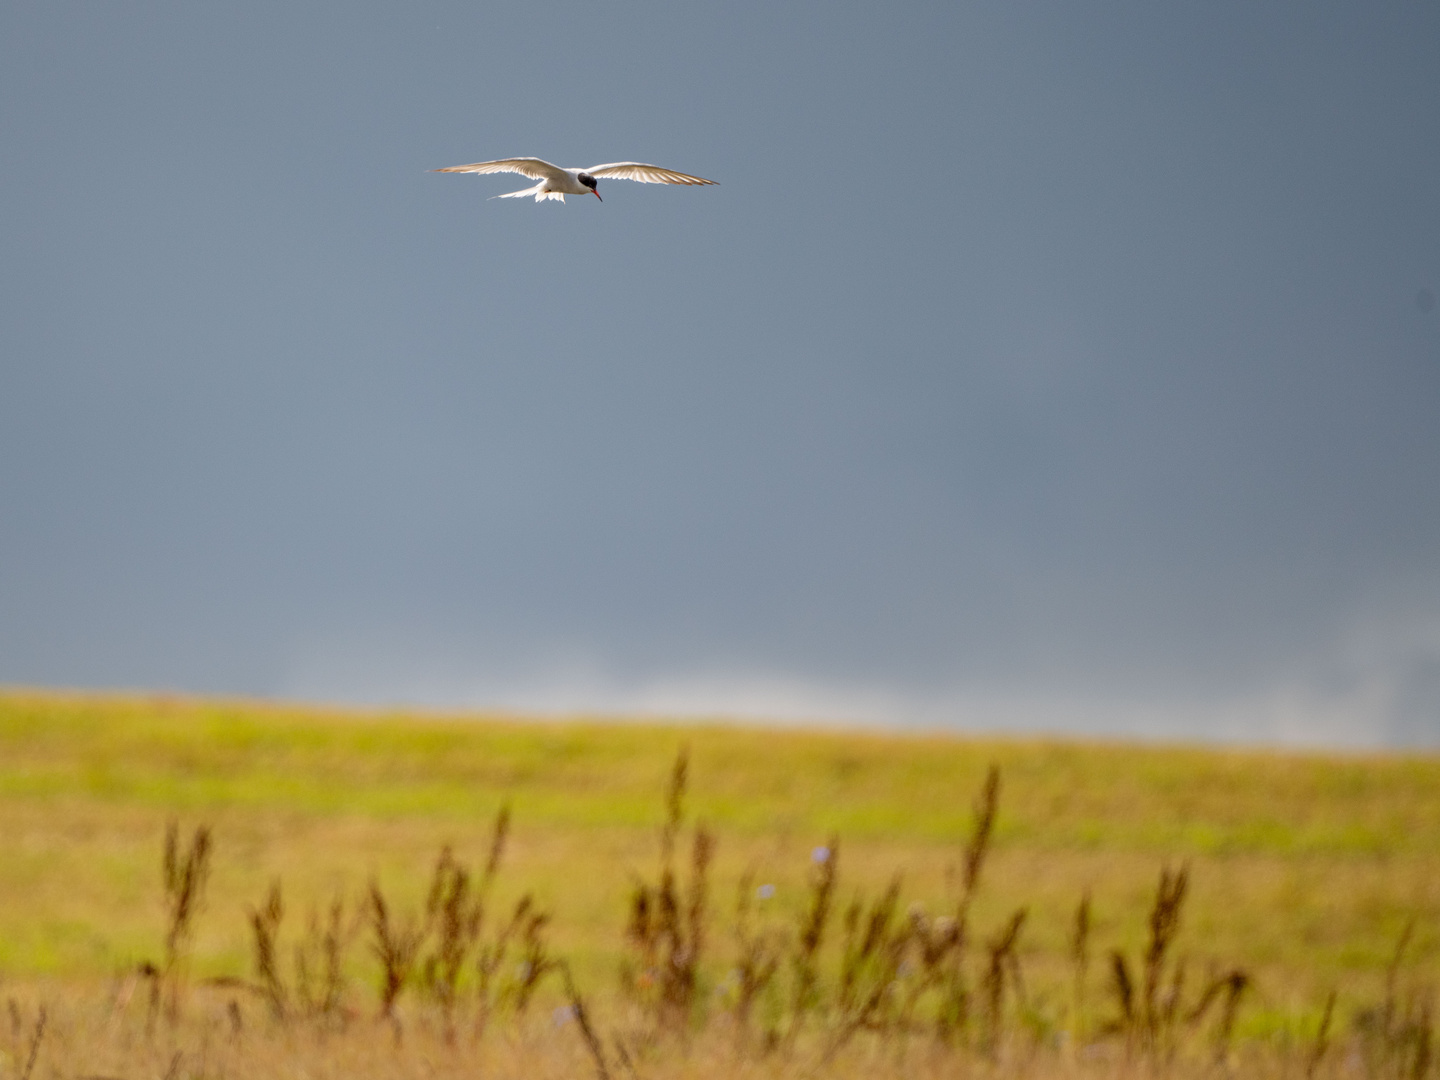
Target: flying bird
{"type": "Point", "coordinates": [556, 183]}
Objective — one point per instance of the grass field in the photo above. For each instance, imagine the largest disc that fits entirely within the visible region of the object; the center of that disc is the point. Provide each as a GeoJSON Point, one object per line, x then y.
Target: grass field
{"type": "Point", "coordinates": [1305, 869]}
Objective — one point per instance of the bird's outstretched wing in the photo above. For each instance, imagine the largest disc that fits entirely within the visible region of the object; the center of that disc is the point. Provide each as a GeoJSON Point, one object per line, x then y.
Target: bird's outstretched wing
{"type": "Point", "coordinates": [532, 167]}
{"type": "Point", "coordinates": [646, 174]}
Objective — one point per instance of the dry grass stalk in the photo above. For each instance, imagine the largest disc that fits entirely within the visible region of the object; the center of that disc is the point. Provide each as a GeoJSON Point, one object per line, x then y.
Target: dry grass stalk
{"type": "Point", "coordinates": [1080, 960]}
{"type": "Point", "coordinates": [320, 963]}
{"type": "Point", "coordinates": [686, 938]}
{"type": "Point", "coordinates": [1164, 926]}
{"type": "Point", "coordinates": [859, 953]}
{"type": "Point", "coordinates": [986, 810]}
{"type": "Point", "coordinates": [870, 970]}
{"type": "Point", "coordinates": [1397, 1036]}
{"type": "Point", "coordinates": [395, 947]}
{"type": "Point", "coordinates": [1424, 1039]}
{"type": "Point", "coordinates": [654, 910]}
{"type": "Point", "coordinates": [462, 931]}
{"type": "Point", "coordinates": [149, 974]}
{"type": "Point", "coordinates": [1122, 987]}
{"type": "Point", "coordinates": [490, 959]}
{"type": "Point", "coordinates": [537, 962]}
{"type": "Point", "coordinates": [1236, 983]}
{"type": "Point", "coordinates": [804, 960]}
{"type": "Point", "coordinates": [666, 932]}
{"type": "Point", "coordinates": [1322, 1038]}
{"type": "Point", "coordinates": [626, 1059]}
{"type": "Point", "coordinates": [456, 919]}
{"type": "Point", "coordinates": [932, 942]}
{"type": "Point", "coordinates": [499, 835]}
{"type": "Point", "coordinates": [36, 1037]}
{"type": "Point", "coordinates": [641, 933]}
{"type": "Point", "coordinates": [1148, 1015]}
{"type": "Point", "coordinates": [674, 805]}
{"type": "Point", "coordinates": [1406, 1050]}
{"type": "Point", "coordinates": [1392, 976]}
{"type": "Point", "coordinates": [757, 962]}
{"type": "Point", "coordinates": [1001, 952]}
{"type": "Point", "coordinates": [1226, 989]}
{"type": "Point", "coordinates": [185, 875]}
{"type": "Point", "coordinates": [582, 1020]}
{"type": "Point", "coordinates": [265, 924]}
{"type": "Point", "coordinates": [953, 1014]}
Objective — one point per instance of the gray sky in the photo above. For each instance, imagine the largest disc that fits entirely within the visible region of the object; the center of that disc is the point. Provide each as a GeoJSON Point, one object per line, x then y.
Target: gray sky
{"type": "Point", "coordinates": [1035, 366]}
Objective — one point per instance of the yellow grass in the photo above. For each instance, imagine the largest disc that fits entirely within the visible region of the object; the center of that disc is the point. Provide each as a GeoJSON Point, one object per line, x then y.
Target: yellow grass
{"type": "Point", "coordinates": [1305, 868]}
{"type": "Point", "coordinates": [98, 1043]}
{"type": "Point", "coordinates": [92, 1042]}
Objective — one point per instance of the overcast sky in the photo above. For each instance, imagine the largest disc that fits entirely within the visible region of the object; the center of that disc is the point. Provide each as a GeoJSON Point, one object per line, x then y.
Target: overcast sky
{"type": "Point", "coordinates": [1067, 367]}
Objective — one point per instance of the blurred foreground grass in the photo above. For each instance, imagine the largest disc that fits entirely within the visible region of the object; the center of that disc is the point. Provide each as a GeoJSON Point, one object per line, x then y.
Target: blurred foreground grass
{"type": "Point", "coordinates": [1304, 867]}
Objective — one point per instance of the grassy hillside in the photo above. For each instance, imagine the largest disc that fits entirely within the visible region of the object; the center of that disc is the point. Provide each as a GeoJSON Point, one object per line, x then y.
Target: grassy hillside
{"type": "Point", "coordinates": [1305, 868]}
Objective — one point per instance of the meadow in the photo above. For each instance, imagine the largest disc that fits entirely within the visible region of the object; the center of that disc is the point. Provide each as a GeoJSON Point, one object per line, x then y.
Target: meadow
{"type": "Point", "coordinates": [832, 901]}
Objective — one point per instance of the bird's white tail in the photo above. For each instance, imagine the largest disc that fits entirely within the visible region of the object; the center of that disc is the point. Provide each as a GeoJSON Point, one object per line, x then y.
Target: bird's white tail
{"type": "Point", "coordinates": [540, 195]}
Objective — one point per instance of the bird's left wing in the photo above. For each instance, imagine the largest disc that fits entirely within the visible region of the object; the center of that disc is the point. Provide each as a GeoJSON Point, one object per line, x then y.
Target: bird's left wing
{"type": "Point", "coordinates": [532, 167]}
{"type": "Point", "coordinates": [646, 174]}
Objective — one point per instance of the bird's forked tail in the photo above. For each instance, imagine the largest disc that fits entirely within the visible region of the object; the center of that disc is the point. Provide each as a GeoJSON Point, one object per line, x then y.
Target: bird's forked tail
{"type": "Point", "coordinates": [538, 191]}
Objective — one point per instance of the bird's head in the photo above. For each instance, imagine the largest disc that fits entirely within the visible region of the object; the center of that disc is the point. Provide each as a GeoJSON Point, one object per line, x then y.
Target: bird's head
{"type": "Point", "coordinates": [589, 181]}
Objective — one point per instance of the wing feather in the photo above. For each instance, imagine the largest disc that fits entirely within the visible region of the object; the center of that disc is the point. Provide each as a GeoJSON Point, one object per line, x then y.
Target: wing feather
{"type": "Point", "coordinates": [646, 174]}
{"type": "Point", "coordinates": [532, 167]}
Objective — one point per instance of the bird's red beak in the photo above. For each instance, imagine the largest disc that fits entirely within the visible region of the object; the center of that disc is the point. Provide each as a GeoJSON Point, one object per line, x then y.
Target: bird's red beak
{"type": "Point", "coordinates": [596, 194]}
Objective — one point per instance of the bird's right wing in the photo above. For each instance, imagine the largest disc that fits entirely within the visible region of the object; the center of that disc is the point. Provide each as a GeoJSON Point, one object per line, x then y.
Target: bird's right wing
{"type": "Point", "coordinates": [532, 167]}
{"type": "Point", "coordinates": [646, 174]}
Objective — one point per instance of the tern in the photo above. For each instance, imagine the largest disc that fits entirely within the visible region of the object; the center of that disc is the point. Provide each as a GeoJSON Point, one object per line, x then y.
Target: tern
{"type": "Point", "coordinates": [556, 183]}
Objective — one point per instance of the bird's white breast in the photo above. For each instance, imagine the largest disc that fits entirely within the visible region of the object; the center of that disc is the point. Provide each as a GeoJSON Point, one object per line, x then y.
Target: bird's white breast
{"type": "Point", "coordinates": [570, 185]}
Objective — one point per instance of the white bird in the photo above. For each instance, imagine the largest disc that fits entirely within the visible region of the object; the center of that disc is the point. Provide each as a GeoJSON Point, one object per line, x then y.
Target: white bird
{"type": "Point", "coordinates": [556, 183]}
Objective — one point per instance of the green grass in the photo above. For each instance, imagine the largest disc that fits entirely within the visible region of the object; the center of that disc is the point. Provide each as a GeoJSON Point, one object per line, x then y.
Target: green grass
{"type": "Point", "coordinates": [1305, 866]}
